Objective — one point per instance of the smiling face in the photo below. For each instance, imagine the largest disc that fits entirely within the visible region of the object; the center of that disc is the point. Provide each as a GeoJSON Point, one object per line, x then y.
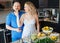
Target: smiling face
{"type": "Point", "coordinates": [16, 6]}
{"type": "Point", "coordinates": [26, 8]}
{"type": "Point", "coordinates": [30, 8]}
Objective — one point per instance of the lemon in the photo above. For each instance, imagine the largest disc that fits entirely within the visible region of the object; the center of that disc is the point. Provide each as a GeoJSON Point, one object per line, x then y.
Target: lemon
{"type": "Point", "coordinates": [40, 35]}
{"type": "Point", "coordinates": [53, 37]}
{"type": "Point", "coordinates": [46, 28]}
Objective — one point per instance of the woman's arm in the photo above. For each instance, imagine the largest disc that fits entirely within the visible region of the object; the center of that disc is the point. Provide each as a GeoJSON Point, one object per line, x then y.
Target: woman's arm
{"type": "Point", "coordinates": [21, 20]}
{"type": "Point", "coordinates": [37, 22]}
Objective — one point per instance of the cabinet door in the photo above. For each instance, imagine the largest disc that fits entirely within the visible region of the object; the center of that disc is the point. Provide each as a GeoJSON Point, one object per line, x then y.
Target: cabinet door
{"type": "Point", "coordinates": [43, 3]}
{"type": "Point", "coordinates": [2, 37]}
{"type": "Point", "coordinates": [53, 3]}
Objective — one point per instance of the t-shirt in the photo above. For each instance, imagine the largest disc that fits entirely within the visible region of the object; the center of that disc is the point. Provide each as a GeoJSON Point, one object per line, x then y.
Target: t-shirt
{"type": "Point", "coordinates": [11, 20]}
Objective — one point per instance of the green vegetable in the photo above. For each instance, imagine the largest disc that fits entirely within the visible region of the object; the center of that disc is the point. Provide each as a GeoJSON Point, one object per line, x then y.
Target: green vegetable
{"type": "Point", "coordinates": [45, 40]}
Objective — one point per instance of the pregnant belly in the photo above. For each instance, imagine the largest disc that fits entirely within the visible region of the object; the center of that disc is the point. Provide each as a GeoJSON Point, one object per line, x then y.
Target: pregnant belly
{"type": "Point", "coordinates": [29, 29]}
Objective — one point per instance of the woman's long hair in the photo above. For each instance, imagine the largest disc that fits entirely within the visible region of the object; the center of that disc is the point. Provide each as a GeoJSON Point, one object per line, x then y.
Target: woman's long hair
{"type": "Point", "coordinates": [32, 9]}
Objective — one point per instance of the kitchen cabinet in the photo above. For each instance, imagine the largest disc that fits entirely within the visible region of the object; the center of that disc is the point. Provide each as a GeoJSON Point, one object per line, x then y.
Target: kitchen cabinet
{"type": "Point", "coordinates": [5, 4]}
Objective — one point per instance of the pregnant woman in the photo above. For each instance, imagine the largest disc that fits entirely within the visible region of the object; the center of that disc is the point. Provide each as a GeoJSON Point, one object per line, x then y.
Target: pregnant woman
{"type": "Point", "coordinates": [30, 20]}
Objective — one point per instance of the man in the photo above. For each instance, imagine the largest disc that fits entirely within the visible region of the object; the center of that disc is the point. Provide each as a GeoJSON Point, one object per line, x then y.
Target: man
{"type": "Point", "coordinates": [12, 22]}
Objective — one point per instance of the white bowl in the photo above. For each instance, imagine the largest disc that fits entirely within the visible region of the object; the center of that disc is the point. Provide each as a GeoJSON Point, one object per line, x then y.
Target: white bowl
{"type": "Point", "coordinates": [48, 31]}
{"type": "Point", "coordinates": [54, 34]}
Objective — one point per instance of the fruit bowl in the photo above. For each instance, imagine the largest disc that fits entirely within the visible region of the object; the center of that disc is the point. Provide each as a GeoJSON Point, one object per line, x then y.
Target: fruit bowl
{"type": "Point", "coordinates": [54, 36]}
{"type": "Point", "coordinates": [47, 29]}
{"type": "Point", "coordinates": [41, 35]}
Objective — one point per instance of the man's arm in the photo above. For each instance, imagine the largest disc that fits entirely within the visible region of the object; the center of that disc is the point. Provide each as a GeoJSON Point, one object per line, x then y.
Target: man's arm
{"type": "Point", "coordinates": [8, 24]}
{"type": "Point", "coordinates": [14, 29]}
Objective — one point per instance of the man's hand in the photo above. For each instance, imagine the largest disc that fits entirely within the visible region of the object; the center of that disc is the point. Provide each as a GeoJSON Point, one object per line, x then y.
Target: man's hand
{"type": "Point", "coordinates": [18, 30]}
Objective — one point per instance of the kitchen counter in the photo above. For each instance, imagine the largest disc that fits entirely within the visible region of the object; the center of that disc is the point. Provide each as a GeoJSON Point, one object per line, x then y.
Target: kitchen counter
{"type": "Point", "coordinates": [20, 41]}
{"type": "Point", "coordinates": [48, 20]}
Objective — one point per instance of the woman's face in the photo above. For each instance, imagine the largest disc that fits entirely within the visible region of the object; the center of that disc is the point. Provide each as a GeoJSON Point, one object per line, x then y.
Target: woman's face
{"type": "Point", "coordinates": [26, 8]}
{"type": "Point", "coordinates": [16, 6]}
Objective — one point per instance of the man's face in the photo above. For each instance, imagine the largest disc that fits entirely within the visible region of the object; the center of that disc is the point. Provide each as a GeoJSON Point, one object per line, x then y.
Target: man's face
{"type": "Point", "coordinates": [16, 6]}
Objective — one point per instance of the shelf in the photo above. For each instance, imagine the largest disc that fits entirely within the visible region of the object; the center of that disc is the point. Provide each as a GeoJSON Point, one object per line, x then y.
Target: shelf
{"type": "Point", "coordinates": [48, 20]}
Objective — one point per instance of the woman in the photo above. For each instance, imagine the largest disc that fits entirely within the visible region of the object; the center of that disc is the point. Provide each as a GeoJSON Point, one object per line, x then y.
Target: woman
{"type": "Point", "coordinates": [30, 18]}
{"type": "Point", "coordinates": [12, 22]}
